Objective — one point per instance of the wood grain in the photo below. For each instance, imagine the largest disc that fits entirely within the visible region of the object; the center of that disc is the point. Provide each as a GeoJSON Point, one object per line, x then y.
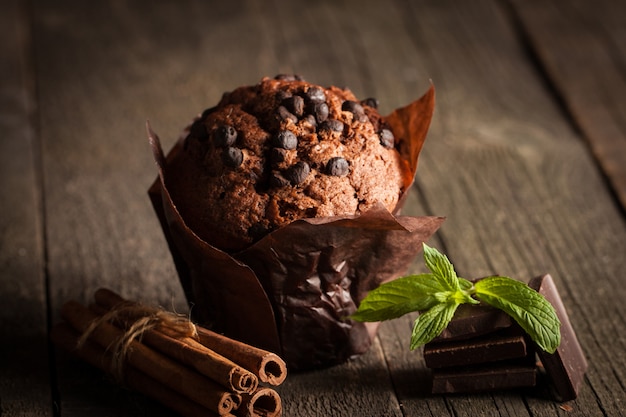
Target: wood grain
{"type": "Point", "coordinates": [506, 163]}
{"type": "Point", "coordinates": [581, 49]}
{"type": "Point", "coordinates": [521, 192]}
{"type": "Point", "coordinates": [24, 375]}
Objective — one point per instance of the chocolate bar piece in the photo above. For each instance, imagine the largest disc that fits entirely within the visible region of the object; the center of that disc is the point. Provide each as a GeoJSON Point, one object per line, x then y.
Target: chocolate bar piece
{"type": "Point", "coordinates": [519, 374]}
{"type": "Point", "coordinates": [566, 367]}
{"type": "Point", "coordinates": [470, 321]}
{"type": "Point", "coordinates": [491, 348]}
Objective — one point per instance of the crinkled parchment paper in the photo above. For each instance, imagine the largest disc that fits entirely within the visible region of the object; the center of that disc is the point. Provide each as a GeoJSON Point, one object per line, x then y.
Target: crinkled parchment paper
{"type": "Point", "coordinates": [291, 292]}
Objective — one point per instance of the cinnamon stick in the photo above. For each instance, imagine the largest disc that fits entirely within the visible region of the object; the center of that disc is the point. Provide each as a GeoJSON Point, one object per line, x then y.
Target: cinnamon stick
{"type": "Point", "coordinates": [207, 362]}
{"type": "Point", "coordinates": [175, 376]}
{"type": "Point", "coordinates": [184, 349]}
{"type": "Point", "coordinates": [66, 338]}
{"type": "Point", "coordinates": [263, 402]}
{"type": "Point", "coordinates": [267, 366]}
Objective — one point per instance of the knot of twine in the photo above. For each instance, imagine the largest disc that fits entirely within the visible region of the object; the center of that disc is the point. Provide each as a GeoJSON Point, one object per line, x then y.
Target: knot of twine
{"type": "Point", "coordinates": [136, 319]}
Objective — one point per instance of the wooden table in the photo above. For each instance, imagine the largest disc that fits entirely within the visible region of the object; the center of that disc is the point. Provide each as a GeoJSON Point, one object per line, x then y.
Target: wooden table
{"type": "Point", "coordinates": [526, 158]}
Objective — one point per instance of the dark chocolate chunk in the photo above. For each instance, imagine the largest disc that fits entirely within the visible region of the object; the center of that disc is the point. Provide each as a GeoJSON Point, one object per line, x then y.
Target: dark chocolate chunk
{"type": "Point", "coordinates": [298, 172]}
{"type": "Point", "coordinates": [490, 348]}
{"type": "Point", "coordinates": [337, 166]}
{"type": "Point", "coordinates": [225, 135]}
{"type": "Point", "coordinates": [386, 138]}
{"type": "Point", "coordinates": [285, 114]}
{"type": "Point", "coordinates": [333, 125]}
{"type": "Point", "coordinates": [474, 320]}
{"type": "Point", "coordinates": [371, 102]}
{"type": "Point", "coordinates": [296, 105]}
{"type": "Point", "coordinates": [285, 139]}
{"type": "Point", "coordinates": [518, 374]}
{"type": "Point", "coordinates": [319, 111]}
{"type": "Point", "coordinates": [316, 94]}
{"type": "Point", "coordinates": [232, 157]}
{"type": "Point", "coordinates": [566, 367]}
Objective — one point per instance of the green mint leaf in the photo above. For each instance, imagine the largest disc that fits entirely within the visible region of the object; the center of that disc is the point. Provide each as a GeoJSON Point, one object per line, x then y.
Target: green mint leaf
{"type": "Point", "coordinates": [431, 323]}
{"type": "Point", "coordinates": [399, 297]}
{"type": "Point", "coordinates": [466, 285]}
{"type": "Point", "coordinates": [526, 306]}
{"type": "Point", "coordinates": [441, 268]}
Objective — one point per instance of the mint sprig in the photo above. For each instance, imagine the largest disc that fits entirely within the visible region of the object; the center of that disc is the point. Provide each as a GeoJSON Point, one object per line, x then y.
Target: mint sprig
{"type": "Point", "coordinates": [431, 323]}
{"type": "Point", "coordinates": [436, 295]}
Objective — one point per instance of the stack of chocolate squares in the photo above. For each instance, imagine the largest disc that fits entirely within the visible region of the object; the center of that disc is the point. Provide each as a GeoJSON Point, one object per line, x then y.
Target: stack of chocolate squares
{"type": "Point", "coordinates": [483, 349]}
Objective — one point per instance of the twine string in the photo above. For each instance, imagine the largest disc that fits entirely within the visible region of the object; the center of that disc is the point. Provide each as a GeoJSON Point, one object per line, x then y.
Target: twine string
{"type": "Point", "coordinates": [136, 319]}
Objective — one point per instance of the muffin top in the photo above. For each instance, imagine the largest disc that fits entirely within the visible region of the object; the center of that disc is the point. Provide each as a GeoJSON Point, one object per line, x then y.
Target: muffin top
{"type": "Point", "coordinates": [278, 151]}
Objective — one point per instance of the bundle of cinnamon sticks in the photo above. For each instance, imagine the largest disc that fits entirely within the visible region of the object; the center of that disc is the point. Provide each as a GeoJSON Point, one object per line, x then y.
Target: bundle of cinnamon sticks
{"type": "Point", "coordinates": [187, 368]}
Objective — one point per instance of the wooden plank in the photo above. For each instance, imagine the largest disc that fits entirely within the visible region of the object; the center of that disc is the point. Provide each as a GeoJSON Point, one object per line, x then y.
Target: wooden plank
{"type": "Point", "coordinates": [97, 163]}
{"type": "Point", "coordinates": [97, 168]}
{"type": "Point", "coordinates": [96, 92]}
{"type": "Point", "coordinates": [24, 373]}
{"type": "Point", "coordinates": [359, 387]}
{"type": "Point", "coordinates": [580, 46]}
{"type": "Point", "coordinates": [521, 194]}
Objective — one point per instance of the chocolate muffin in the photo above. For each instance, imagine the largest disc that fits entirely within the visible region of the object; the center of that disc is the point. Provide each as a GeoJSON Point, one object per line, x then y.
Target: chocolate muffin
{"type": "Point", "coordinates": [281, 150]}
{"type": "Point", "coordinates": [279, 206]}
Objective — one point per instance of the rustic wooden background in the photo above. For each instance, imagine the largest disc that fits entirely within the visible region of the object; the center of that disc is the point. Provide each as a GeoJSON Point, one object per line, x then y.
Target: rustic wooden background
{"type": "Point", "coordinates": [526, 158]}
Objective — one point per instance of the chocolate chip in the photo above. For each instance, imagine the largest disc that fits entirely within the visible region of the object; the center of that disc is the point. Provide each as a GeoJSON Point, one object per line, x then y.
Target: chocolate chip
{"type": "Point", "coordinates": [316, 94]}
{"type": "Point", "coordinates": [277, 180]}
{"type": "Point", "coordinates": [289, 77]}
{"type": "Point", "coordinates": [278, 155]}
{"type": "Point", "coordinates": [225, 135]}
{"type": "Point", "coordinates": [232, 157]}
{"type": "Point", "coordinates": [285, 114]}
{"type": "Point", "coordinates": [298, 172]}
{"type": "Point", "coordinates": [386, 138]}
{"type": "Point", "coordinates": [285, 139]}
{"type": "Point", "coordinates": [352, 107]}
{"type": "Point", "coordinates": [295, 104]}
{"type": "Point", "coordinates": [371, 102]}
{"type": "Point", "coordinates": [282, 95]}
{"type": "Point", "coordinates": [332, 125]}
{"type": "Point", "coordinates": [198, 131]}
{"type": "Point", "coordinates": [319, 111]}
{"type": "Point", "coordinates": [356, 109]}
{"type": "Point", "coordinates": [310, 119]}
{"type": "Point", "coordinates": [337, 166]}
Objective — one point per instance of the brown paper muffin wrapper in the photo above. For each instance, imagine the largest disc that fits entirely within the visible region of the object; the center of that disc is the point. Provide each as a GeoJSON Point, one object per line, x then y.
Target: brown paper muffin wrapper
{"type": "Point", "coordinates": [292, 291]}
